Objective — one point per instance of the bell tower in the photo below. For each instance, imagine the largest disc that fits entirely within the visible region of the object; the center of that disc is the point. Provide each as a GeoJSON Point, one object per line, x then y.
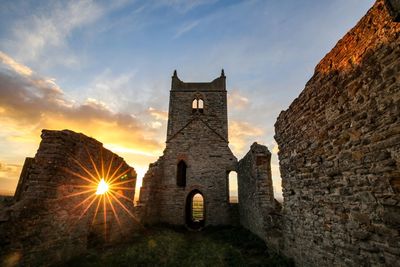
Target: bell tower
{"type": "Point", "coordinates": [204, 101]}
{"type": "Point", "coordinates": [196, 161]}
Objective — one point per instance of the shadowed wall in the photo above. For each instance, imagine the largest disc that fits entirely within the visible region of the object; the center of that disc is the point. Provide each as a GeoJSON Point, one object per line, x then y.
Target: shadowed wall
{"type": "Point", "coordinates": [46, 223]}
{"type": "Point", "coordinates": [339, 152]}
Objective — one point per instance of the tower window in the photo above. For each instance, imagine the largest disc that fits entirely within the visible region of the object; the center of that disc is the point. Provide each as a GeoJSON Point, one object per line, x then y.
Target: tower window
{"type": "Point", "coordinates": [181, 174]}
{"type": "Point", "coordinates": [198, 105]}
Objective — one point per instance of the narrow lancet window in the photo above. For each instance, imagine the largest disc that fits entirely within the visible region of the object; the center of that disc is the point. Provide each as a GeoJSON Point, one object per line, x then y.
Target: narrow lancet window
{"type": "Point", "coordinates": [181, 174]}
{"type": "Point", "coordinates": [200, 105]}
{"type": "Point", "coordinates": [194, 106]}
{"type": "Point", "coordinates": [233, 196]}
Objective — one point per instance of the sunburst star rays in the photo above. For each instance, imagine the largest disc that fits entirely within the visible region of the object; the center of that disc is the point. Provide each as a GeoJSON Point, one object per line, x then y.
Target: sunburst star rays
{"type": "Point", "coordinates": [103, 184]}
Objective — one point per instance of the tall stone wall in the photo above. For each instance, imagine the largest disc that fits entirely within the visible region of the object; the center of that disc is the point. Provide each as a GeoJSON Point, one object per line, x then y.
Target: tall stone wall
{"type": "Point", "coordinates": [46, 223]}
{"type": "Point", "coordinates": [150, 204]}
{"type": "Point", "coordinates": [339, 152]}
{"type": "Point", "coordinates": [208, 160]}
{"type": "Point", "coordinates": [259, 211]}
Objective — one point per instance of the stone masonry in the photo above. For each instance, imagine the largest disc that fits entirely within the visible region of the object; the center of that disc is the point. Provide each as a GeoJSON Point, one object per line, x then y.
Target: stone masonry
{"type": "Point", "coordinates": [339, 152]}
{"type": "Point", "coordinates": [43, 224]}
{"type": "Point", "coordinates": [259, 211]}
{"type": "Point", "coordinates": [51, 218]}
{"type": "Point", "coordinates": [197, 137]}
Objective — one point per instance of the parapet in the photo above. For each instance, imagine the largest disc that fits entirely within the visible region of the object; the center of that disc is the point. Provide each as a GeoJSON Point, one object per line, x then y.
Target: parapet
{"type": "Point", "coordinates": [218, 84]}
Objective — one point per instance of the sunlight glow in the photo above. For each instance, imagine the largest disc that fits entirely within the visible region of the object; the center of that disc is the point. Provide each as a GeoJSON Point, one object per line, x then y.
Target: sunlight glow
{"type": "Point", "coordinates": [102, 187]}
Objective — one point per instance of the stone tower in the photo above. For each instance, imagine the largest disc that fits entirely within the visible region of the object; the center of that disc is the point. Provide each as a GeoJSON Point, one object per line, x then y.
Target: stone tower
{"type": "Point", "coordinates": [196, 160]}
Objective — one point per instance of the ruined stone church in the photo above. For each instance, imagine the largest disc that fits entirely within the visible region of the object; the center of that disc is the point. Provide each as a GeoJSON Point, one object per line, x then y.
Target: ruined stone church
{"type": "Point", "coordinates": [196, 160]}
{"type": "Point", "coordinates": [339, 157]}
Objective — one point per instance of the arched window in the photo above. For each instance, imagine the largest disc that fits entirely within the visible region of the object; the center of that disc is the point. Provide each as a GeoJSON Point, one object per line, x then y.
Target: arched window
{"type": "Point", "coordinates": [181, 174]}
{"type": "Point", "coordinates": [233, 196]}
{"type": "Point", "coordinates": [198, 105]}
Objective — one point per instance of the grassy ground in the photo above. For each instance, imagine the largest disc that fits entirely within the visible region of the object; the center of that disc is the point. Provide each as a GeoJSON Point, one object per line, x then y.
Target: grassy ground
{"type": "Point", "coordinates": [166, 246]}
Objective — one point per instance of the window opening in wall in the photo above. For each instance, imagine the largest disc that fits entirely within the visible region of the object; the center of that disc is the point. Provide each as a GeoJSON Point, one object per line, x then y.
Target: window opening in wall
{"type": "Point", "coordinates": [194, 105]}
{"type": "Point", "coordinates": [233, 187]}
{"type": "Point", "coordinates": [198, 105]}
{"type": "Point", "coordinates": [181, 174]}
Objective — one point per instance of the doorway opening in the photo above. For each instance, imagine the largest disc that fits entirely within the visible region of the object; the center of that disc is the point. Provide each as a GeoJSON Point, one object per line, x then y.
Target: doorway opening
{"type": "Point", "coordinates": [195, 210]}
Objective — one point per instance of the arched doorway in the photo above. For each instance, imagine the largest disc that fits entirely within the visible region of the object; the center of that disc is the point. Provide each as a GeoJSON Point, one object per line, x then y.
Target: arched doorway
{"type": "Point", "coordinates": [195, 210]}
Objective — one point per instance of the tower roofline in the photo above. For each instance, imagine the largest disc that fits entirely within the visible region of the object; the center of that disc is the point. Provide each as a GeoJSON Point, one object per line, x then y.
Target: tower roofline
{"type": "Point", "coordinates": [218, 84]}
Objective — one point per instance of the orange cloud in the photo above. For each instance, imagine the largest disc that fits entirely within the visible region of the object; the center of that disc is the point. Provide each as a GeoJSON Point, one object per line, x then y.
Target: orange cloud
{"type": "Point", "coordinates": [237, 101]}
{"type": "Point", "coordinates": [11, 63]}
{"type": "Point", "coordinates": [30, 103]}
{"type": "Point", "coordinates": [241, 135]}
{"type": "Point", "coordinates": [30, 100]}
{"type": "Point", "coordinates": [158, 114]}
{"type": "Point", "coordinates": [7, 174]}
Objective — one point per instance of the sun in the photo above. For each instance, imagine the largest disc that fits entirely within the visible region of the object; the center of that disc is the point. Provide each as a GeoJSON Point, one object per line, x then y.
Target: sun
{"type": "Point", "coordinates": [102, 187]}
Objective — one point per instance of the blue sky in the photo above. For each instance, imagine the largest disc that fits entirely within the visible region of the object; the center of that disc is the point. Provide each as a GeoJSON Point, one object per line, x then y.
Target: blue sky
{"type": "Point", "coordinates": [107, 65]}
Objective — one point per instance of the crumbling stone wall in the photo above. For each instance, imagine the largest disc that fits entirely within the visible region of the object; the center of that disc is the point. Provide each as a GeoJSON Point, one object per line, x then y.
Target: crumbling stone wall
{"type": "Point", "coordinates": [149, 204]}
{"type": "Point", "coordinates": [46, 224]}
{"type": "Point", "coordinates": [259, 211]}
{"type": "Point", "coordinates": [339, 152]}
{"type": "Point", "coordinates": [22, 182]}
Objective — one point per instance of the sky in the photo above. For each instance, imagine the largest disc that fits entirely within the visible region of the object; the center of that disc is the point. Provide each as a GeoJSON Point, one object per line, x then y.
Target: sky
{"type": "Point", "coordinates": [103, 68]}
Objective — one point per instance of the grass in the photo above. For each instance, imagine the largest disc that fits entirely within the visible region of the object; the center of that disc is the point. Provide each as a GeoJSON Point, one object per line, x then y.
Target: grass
{"type": "Point", "coordinates": [167, 246]}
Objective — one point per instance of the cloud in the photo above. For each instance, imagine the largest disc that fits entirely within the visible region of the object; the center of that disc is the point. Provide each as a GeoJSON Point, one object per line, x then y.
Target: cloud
{"type": "Point", "coordinates": [12, 64]}
{"type": "Point", "coordinates": [126, 92]}
{"type": "Point", "coordinates": [158, 114]}
{"type": "Point", "coordinates": [7, 174]}
{"type": "Point", "coordinates": [242, 134]}
{"type": "Point", "coordinates": [237, 101]}
{"type": "Point", "coordinates": [186, 28]}
{"type": "Point", "coordinates": [107, 83]}
{"type": "Point", "coordinates": [9, 168]}
{"type": "Point", "coordinates": [29, 100]}
{"type": "Point", "coordinates": [44, 35]}
{"type": "Point", "coordinates": [184, 5]}
{"type": "Point", "coordinates": [30, 103]}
